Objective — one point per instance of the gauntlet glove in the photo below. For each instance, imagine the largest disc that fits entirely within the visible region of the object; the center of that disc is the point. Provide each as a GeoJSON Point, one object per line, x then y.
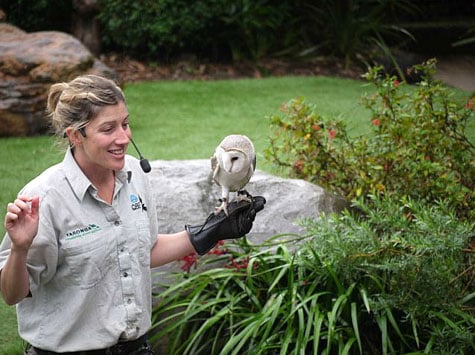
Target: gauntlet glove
{"type": "Point", "coordinates": [237, 224]}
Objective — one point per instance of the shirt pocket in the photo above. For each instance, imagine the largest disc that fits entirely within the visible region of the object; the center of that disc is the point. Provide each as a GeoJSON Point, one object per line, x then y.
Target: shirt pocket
{"type": "Point", "coordinates": [87, 263]}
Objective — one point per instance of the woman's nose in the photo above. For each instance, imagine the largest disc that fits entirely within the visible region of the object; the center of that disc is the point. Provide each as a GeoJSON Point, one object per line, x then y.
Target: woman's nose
{"type": "Point", "coordinates": [123, 135]}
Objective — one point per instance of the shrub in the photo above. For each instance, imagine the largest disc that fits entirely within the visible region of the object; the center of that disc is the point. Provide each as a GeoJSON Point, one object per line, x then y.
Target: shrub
{"type": "Point", "coordinates": [148, 27]}
{"type": "Point", "coordinates": [352, 29]}
{"type": "Point", "coordinates": [250, 29]}
{"type": "Point", "coordinates": [256, 29]}
{"type": "Point", "coordinates": [162, 28]}
{"type": "Point", "coordinates": [38, 15]}
{"type": "Point", "coordinates": [416, 145]}
{"type": "Point", "coordinates": [392, 281]}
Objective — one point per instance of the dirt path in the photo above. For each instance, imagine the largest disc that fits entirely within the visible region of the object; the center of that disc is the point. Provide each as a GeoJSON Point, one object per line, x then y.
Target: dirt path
{"type": "Point", "coordinates": [457, 71]}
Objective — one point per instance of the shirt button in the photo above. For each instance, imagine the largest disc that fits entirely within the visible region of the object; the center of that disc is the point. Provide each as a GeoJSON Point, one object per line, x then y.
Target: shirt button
{"type": "Point", "coordinates": [125, 274]}
{"type": "Point", "coordinates": [129, 301]}
{"type": "Point", "coordinates": [117, 223]}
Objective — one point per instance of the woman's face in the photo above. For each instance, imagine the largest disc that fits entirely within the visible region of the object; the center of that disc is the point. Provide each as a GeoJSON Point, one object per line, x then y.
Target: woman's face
{"type": "Point", "coordinates": [106, 139]}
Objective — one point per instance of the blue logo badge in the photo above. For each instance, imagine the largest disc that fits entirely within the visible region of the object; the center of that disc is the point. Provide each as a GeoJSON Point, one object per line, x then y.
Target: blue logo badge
{"type": "Point", "coordinates": [137, 203]}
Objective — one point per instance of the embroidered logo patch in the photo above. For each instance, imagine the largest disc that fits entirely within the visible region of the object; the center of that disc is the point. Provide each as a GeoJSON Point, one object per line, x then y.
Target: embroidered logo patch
{"type": "Point", "coordinates": [136, 203]}
{"type": "Point", "coordinates": [81, 232]}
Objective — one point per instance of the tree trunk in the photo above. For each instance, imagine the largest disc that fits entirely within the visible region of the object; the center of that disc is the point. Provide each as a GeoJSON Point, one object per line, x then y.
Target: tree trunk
{"type": "Point", "coordinates": [85, 25]}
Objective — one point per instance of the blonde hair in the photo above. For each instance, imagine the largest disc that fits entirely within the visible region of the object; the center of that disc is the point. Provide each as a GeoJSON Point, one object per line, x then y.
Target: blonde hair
{"type": "Point", "coordinates": [77, 102]}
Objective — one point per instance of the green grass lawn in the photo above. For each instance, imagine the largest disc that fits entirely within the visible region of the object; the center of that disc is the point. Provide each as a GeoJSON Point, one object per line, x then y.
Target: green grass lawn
{"type": "Point", "coordinates": [185, 120]}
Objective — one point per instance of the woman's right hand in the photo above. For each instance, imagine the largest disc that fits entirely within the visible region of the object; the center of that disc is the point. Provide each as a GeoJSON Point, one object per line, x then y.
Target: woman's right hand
{"type": "Point", "coordinates": [21, 221]}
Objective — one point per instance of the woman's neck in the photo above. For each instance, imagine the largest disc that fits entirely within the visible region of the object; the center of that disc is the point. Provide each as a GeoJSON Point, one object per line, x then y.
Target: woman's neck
{"type": "Point", "coordinates": [102, 179]}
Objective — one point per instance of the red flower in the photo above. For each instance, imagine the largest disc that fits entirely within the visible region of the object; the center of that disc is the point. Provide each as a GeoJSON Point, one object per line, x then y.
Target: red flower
{"type": "Point", "coordinates": [396, 83]}
{"type": "Point", "coordinates": [192, 258]}
{"type": "Point", "coordinates": [469, 104]}
{"type": "Point", "coordinates": [376, 122]}
{"type": "Point", "coordinates": [332, 133]}
{"type": "Point", "coordinates": [240, 264]}
{"type": "Point", "coordinates": [316, 127]}
{"type": "Point", "coordinates": [217, 250]}
{"type": "Point", "coordinates": [298, 166]}
{"type": "Point", "coordinates": [189, 260]}
{"type": "Point", "coordinates": [330, 176]}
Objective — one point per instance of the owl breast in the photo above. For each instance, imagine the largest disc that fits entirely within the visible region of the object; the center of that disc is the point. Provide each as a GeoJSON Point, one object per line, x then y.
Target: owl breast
{"type": "Point", "coordinates": [233, 162]}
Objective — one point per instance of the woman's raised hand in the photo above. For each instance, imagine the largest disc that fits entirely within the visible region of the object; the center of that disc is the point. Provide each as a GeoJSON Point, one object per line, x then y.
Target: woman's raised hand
{"type": "Point", "coordinates": [21, 221]}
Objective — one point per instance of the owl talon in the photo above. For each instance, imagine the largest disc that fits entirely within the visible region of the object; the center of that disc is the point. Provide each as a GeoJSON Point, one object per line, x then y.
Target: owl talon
{"type": "Point", "coordinates": [243, 195]}
{"type": "Point", "coordinates": [223, 207]}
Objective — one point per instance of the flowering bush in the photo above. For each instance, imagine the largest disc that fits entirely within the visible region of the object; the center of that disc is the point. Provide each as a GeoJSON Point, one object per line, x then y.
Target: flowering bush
{"type": "Point", "coordinates": [416, 144]}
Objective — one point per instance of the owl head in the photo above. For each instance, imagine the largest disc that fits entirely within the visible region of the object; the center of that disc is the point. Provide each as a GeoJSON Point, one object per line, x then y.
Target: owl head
{"type": "Point", "coordinates": [234, 161]}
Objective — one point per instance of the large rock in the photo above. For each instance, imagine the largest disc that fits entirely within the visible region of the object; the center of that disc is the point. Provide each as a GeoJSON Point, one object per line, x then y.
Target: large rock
{"type": "Point", "coordinates": [29, 64]}
{"type": "Point", "coordinates": [185, 194]}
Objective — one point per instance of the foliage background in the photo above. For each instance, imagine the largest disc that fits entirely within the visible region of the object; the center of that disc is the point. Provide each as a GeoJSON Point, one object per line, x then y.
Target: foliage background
{"type": "Point", "coordinates": [217, 30]}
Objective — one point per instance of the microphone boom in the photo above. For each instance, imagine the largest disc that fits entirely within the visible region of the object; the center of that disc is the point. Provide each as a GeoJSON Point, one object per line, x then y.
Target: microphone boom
{"type": "Point", "coordinates": [144, 163]}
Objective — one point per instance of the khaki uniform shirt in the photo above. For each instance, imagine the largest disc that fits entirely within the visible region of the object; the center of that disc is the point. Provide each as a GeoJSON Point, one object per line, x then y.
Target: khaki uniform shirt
{"type": "Point", "coordinates": [89, 264]}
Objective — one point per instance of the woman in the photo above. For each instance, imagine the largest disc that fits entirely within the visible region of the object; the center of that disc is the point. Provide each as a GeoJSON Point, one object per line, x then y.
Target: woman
{"type": "Point", "coordinates": [82, 236]}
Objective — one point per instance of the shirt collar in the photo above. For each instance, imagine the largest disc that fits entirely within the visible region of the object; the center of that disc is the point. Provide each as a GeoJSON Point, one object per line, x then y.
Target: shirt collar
{"type": "Point", "coordinates": [80, 183]}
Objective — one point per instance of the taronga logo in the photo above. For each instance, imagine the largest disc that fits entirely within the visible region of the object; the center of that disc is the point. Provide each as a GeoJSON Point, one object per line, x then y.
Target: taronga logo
{"type": "Point", "coordinates": [81, 232]}
{"type": "Point", "coordinates": [136, 203]}
{"type": "Point", "coordinates": [134, 198]}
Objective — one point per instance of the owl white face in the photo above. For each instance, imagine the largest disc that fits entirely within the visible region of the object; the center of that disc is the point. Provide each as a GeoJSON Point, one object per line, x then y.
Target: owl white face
{"type": "Point", "coordinates": [234, 161]}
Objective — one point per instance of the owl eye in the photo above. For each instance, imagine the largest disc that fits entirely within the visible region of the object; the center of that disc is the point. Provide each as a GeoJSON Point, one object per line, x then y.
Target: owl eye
{"type": "Point", "coordinates": [234, 158]}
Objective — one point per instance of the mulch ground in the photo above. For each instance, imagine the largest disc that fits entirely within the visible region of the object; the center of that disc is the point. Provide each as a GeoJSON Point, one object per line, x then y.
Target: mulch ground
{"type": "Point", "coordinates": [131, 70]}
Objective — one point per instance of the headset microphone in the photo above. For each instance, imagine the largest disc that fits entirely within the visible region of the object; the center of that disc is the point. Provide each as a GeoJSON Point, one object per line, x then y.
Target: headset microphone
{"type": "Point", "coordinates": [144, 163]}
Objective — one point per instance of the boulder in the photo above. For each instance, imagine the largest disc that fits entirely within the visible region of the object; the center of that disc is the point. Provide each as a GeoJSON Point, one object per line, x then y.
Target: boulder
{"type": "Point", "coordinates": [29, 64]}
{"type": "Point", "coordinates": [185, 194]}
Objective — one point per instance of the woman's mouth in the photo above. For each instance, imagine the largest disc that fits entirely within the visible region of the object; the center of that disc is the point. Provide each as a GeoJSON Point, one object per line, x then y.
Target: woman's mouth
{"type": "Point", "coordinates": [117, 151]}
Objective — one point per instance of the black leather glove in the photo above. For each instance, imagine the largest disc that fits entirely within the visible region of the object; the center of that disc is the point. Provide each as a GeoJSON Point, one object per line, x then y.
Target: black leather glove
{"type": "Point", "coordinates": [237, 224]}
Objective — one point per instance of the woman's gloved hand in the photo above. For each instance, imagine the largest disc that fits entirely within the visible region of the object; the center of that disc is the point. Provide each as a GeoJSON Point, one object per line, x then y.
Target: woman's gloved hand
{"type": "Point", "coordinates": [238, 223]}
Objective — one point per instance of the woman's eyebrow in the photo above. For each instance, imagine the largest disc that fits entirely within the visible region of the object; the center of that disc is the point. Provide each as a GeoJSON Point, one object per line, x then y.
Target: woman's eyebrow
{"type": "Point", "coordinates": [114, 121]}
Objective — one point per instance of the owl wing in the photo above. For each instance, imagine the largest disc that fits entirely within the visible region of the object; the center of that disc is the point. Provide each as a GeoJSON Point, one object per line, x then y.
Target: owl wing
{"type": "Point", "coordinates": [252, 167]}
{"type": "Point", "coordinates": [250, 172]}
{"type": "Point", "coordinates": [215, 165]}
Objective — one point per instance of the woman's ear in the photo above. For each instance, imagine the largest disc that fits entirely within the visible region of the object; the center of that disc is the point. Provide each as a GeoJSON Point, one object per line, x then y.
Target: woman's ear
{"type": "Point", "coordinates": [74, 136]}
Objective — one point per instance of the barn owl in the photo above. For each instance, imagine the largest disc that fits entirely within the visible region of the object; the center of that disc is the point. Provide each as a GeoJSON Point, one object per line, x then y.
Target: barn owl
{"type": "Point", "coordinates": [233, 163]}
